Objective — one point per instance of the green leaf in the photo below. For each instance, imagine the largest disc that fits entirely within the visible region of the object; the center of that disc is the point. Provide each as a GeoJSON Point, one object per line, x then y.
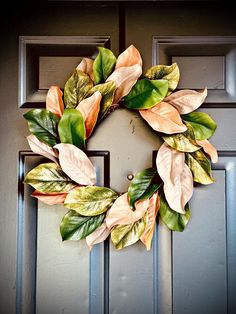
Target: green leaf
{"type": "Point", "coordinates": [90, 200]}
{"type": "Point", "coordinates": [108, 91]}
{"type": "Point", "coordinates": [204, 126]}
{"type": "Point", "coordinates": [200, 167]}
{"type": "Point", "coordinates": [103, 65]}
{"type": "Point", "coordinates": [165, 72]}
{"type": "Point", "coordinates": [153, 187]}
{"type": "Point", "coordinates": [71, 128]}
{"type": "Point", "coordinates": [43, 124]}
{"type": "Point", "coordinates": [173, 220]}
{"type": "Point", "coordinates": [184, 142]}
{"type": "Point", "coordinates": [146, 94]}
{"type": "Point", "coordinates": [140, 183]}
{"type": "Point", "coordinates": [77, 88]}
{"type": "Point", "coordinates": [76, 227]}
{"type": "Point", "coordinates": [49, 178]}
{"type": "Point", "coordinates": [125, 235]}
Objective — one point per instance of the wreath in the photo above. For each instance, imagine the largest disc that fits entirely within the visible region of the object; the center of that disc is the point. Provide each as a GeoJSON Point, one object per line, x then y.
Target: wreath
{"type": "Point", "coordinates": [59, 132]}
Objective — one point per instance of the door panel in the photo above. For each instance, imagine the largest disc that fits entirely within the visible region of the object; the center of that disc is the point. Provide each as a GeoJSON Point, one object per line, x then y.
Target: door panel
{"type": "Point", "coordinates": [60, 267]}
{"type": "Point", "coordinates": [63, 270]}
{"type": "Point", "coordinates": [189, 272]}
{"type": "Point", "coordinates": [200, 254]}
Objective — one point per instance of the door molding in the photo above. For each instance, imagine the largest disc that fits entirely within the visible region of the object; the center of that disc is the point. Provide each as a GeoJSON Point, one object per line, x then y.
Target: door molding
{"type": "Point", "coordinates": [166, 48]}
{"type": "Point", "coordinates": [31, 48]}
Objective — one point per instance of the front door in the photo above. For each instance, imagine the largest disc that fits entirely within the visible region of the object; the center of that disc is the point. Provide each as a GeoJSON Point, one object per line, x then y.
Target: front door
{"type": "Point", "coordinates": [184, 273]}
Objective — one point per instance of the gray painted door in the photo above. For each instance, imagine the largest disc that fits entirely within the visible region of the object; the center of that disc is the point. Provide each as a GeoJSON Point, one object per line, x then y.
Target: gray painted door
{"type": "Point", "coordinates": [187, 273]}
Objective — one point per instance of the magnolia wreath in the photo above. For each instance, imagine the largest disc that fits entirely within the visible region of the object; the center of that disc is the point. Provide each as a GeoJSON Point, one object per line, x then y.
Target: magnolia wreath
{"type": "Point", "coordinates": [59, 133]}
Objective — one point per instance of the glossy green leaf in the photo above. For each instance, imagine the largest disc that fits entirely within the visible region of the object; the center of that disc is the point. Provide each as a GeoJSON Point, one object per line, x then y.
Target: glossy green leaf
{"type": "Point", "coordinates": [140, 183]}
{"type": "Point", "coordinates": [165, 72]}
{"type": "Point", "coordinates": [76, 227]}
{"type": "Point", "coordinates": [173, 220]}
{"type": "Point", "coordinates": [103, 65]}
{"type": "Point", "coordinates": [49, 178]}
{"type": "Point", "coordinates": [183, 142]}
{"type": "Point", "coordinates": [108, 91]}
{"type": "Point", "coordinates": [146, 94]}
{"type": "Point", "coordinates": [125, 235]}
{"type": "Point", "coordinates": [153, 187]}
{"type": "Point", "coordinates": [77, 88]}
{"type": "Point", "coordinates": [204, 126]}
{"type": "Point", "coordinates": [200, 166]}
{"type": "Point", "coordinates": [90, 200]}
{"type": "Point", "coordinates": [71, 128]}
{"type": "Point", "coordinates": [43, 124]}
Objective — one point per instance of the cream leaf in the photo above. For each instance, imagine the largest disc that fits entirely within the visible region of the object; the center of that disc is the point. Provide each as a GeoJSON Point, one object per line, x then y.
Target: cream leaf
{"type": "Point", "coordinates": [50, 198]}
{"type": "Point", "coordinates": [75, 163]}
{"type": "Point", "coordinates": [178, 194]}
{"type": "Point", "coordinates": [164, 118]}
{"type": "Point", "coordinates": [98, 236]}
{"type": "Point", "coordinates": [129, 57]}
{"type": "Point", "coordinates": [121, 213]}
{"type": "Point", "coordinates": [54, 102]}
{"type": "Point", "coordinates": [209, 149]}
{"type": "Point", "coordinates": [186, 101]}
{"type": "Point", "coordinates": [42, 148]}
{"type": "Point", "coordinates": [153, 207]}
{"type": "Point", "coordinates": [170, 163]}
{"type": "Point", "coordinates": [124, 79]}
{"type": "Point", "coordinates": [177, 177]}
{"type": "Point", "coordinates": [89, 108]}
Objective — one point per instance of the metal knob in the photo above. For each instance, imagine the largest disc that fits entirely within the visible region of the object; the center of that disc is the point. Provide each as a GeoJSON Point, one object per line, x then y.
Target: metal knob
{"type": "Point", "coordinates": [130, 176]}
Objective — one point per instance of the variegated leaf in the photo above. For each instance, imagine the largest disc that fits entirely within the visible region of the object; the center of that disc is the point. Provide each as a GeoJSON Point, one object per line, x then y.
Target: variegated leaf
{"type": "Point", "coordinates": [90, 200]}
{"type": "Point", "coordinates": [86, 66]}
{"type": "Point", "coordinates": [165, 72]}
{"type": "Point", "coordinates": [77, 88]}
{"type": "Point", "coordinates": [184, 142]}
{"type": "Point", "coordinates": [49, 178]}
{"type": "Point", "coordinates": [108, 91]}
{"type": "Point", "coordinates": [200, 166]}
{"type": "Point", "coordinates": [125, 235]}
